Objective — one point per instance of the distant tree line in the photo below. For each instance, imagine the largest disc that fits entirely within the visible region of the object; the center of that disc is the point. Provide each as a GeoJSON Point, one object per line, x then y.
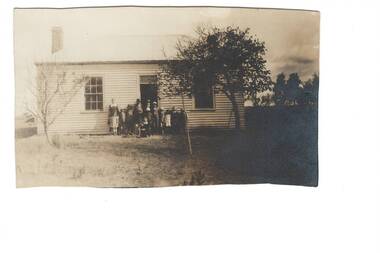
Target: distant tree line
{"type": "Point", "coordinates": [290, 91]}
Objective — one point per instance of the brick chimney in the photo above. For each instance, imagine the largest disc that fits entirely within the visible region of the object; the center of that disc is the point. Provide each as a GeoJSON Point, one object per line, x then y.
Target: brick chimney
{"type": "Point", "coordinates": [56, 39]}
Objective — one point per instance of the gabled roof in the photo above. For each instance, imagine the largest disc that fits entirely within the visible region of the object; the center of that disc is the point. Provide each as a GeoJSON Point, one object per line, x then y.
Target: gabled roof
{"type": "Point", "coordinates": [115, 49]}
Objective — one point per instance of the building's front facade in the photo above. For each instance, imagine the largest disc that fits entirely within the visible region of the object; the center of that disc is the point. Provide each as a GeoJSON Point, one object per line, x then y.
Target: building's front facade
{"type": "Point", "coordinates": [126, 81]}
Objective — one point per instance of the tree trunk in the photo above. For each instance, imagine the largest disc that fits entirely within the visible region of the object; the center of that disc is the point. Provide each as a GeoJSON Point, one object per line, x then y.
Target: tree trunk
{"type": "Point", "coordinates": [47, 133]}
{"type": "Point", "coordinates": [235, 109]}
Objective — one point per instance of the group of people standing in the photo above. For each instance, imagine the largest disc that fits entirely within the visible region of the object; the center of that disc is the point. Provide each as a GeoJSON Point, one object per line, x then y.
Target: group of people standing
{"type": "Point", "coordinates": [146, 120]}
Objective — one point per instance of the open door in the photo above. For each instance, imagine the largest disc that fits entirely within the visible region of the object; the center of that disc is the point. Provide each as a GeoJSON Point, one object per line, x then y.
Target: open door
{"type": "Point", "coordinates": [148, 90]}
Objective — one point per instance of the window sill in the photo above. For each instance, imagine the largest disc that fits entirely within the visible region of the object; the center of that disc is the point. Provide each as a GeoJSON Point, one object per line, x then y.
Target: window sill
{"type": "Point", "coordinates": [202, 110]}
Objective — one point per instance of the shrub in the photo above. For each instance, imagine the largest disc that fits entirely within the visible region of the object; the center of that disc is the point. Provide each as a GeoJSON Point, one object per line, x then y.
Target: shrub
{"type": "Point", "coordinates": [56, 141]}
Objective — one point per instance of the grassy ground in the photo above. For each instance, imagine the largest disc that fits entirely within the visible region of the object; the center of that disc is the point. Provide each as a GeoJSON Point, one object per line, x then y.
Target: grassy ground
{"type": "Point", "coordinates": [283, 144]}
{"type": "Point", "coordinates": [277, 149]}
{"type": "Point", "coordinates": [111, 161]}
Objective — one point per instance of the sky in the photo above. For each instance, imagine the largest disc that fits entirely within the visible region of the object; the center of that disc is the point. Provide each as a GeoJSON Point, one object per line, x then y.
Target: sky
{"type": "Point", "coordinates": [132, 33]}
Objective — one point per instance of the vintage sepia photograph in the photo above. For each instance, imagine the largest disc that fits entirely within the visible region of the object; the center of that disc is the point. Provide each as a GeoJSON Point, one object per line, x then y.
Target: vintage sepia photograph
{"type": "Point", "coordinates": [166, 96]}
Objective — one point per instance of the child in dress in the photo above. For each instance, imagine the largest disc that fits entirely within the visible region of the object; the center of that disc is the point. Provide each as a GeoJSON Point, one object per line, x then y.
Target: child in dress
{"type": "Point", "coordinates": [145, 127]}
{"type": "Point", "coordinates": [113, 115]}
{"type": "Point", "coordinates": [148, 114]}
{"type": "Point", "coordinates": [167, 121]}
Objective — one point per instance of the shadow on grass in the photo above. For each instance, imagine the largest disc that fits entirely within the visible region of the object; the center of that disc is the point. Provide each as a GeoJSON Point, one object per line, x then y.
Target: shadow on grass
{"type": "Point", "coordinates": [280, 146]}
{"type": "Point", "coordinates": [25, 132]}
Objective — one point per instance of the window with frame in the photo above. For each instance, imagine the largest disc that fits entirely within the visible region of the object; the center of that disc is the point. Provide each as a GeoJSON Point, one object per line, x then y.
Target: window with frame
{"type": "Point", "coordinates": [93, 94]}
{"type": "Point", "coordinates": [203, 97]}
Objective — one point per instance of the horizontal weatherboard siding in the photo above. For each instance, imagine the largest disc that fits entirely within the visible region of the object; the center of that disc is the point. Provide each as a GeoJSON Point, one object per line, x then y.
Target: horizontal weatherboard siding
{"type": "Point", "coordinates": [121, 81]}
{"type": "Point", "coordinates": [219, 117]}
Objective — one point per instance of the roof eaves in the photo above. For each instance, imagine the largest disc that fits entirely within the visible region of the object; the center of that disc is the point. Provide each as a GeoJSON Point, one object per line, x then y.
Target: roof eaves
{"type": "Point", "coordinates": [106, 62]}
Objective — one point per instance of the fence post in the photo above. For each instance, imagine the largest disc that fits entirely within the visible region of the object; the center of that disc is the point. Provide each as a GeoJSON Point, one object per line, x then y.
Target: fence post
{"type": "Point", "coordinates": [186, 126]}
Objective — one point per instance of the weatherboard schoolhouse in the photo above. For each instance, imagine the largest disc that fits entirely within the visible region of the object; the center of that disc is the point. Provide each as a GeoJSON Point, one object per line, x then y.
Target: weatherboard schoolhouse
{"type": "Point", "coordinates": [126, 73]}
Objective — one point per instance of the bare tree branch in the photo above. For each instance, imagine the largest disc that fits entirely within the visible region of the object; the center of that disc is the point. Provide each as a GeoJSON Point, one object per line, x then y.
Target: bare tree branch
{"type": "Point", "coordinates": [53, 93]}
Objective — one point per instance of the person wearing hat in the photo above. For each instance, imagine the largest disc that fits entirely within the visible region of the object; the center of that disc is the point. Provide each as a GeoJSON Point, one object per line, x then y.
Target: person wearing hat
{"type": "Point", "coordinates": [138, 112]}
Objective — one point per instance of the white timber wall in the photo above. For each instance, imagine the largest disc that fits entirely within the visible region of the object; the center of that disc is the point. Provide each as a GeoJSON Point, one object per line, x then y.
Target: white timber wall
{"type": "Point", "coordinates": [221, 116]}
{"type": "Point", "coordinates": [121, 81]}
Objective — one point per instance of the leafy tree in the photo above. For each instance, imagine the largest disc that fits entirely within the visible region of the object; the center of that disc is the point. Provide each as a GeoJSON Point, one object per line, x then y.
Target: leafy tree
{"type": "Point", "coordinates": [315, 89]}
{"type": "Point", "coordinates": [279, 89]}
{"type": "Point", "coordinates": [266, 100]}
{"type": "Point", "coordinates": [309, 94]}
{"type": "Point", "coordinates": [228, 60]}
{"type": "Point", "coordinates": [292, 88]}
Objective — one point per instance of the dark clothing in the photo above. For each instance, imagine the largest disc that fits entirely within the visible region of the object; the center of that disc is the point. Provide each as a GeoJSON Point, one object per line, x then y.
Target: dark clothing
{"type": "Point", "coordinates": [122, 122]}
{"type": "Point", "coordinates": [138, 113]}
{"type": "Point", "coordinates": [130, 120]}
{"type": "Point", "coordinates": [155, 118]}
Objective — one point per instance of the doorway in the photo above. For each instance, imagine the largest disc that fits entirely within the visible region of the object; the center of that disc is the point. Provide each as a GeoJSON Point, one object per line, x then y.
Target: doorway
{"type": "Point", "coordinates": [148, 90]}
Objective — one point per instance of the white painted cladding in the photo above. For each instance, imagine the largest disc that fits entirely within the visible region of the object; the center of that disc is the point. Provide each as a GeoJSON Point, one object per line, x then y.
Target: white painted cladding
{"type": "Point", "coordinates": [221, 116]}
{"type": "Point", "coordinates": [121, 81]}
